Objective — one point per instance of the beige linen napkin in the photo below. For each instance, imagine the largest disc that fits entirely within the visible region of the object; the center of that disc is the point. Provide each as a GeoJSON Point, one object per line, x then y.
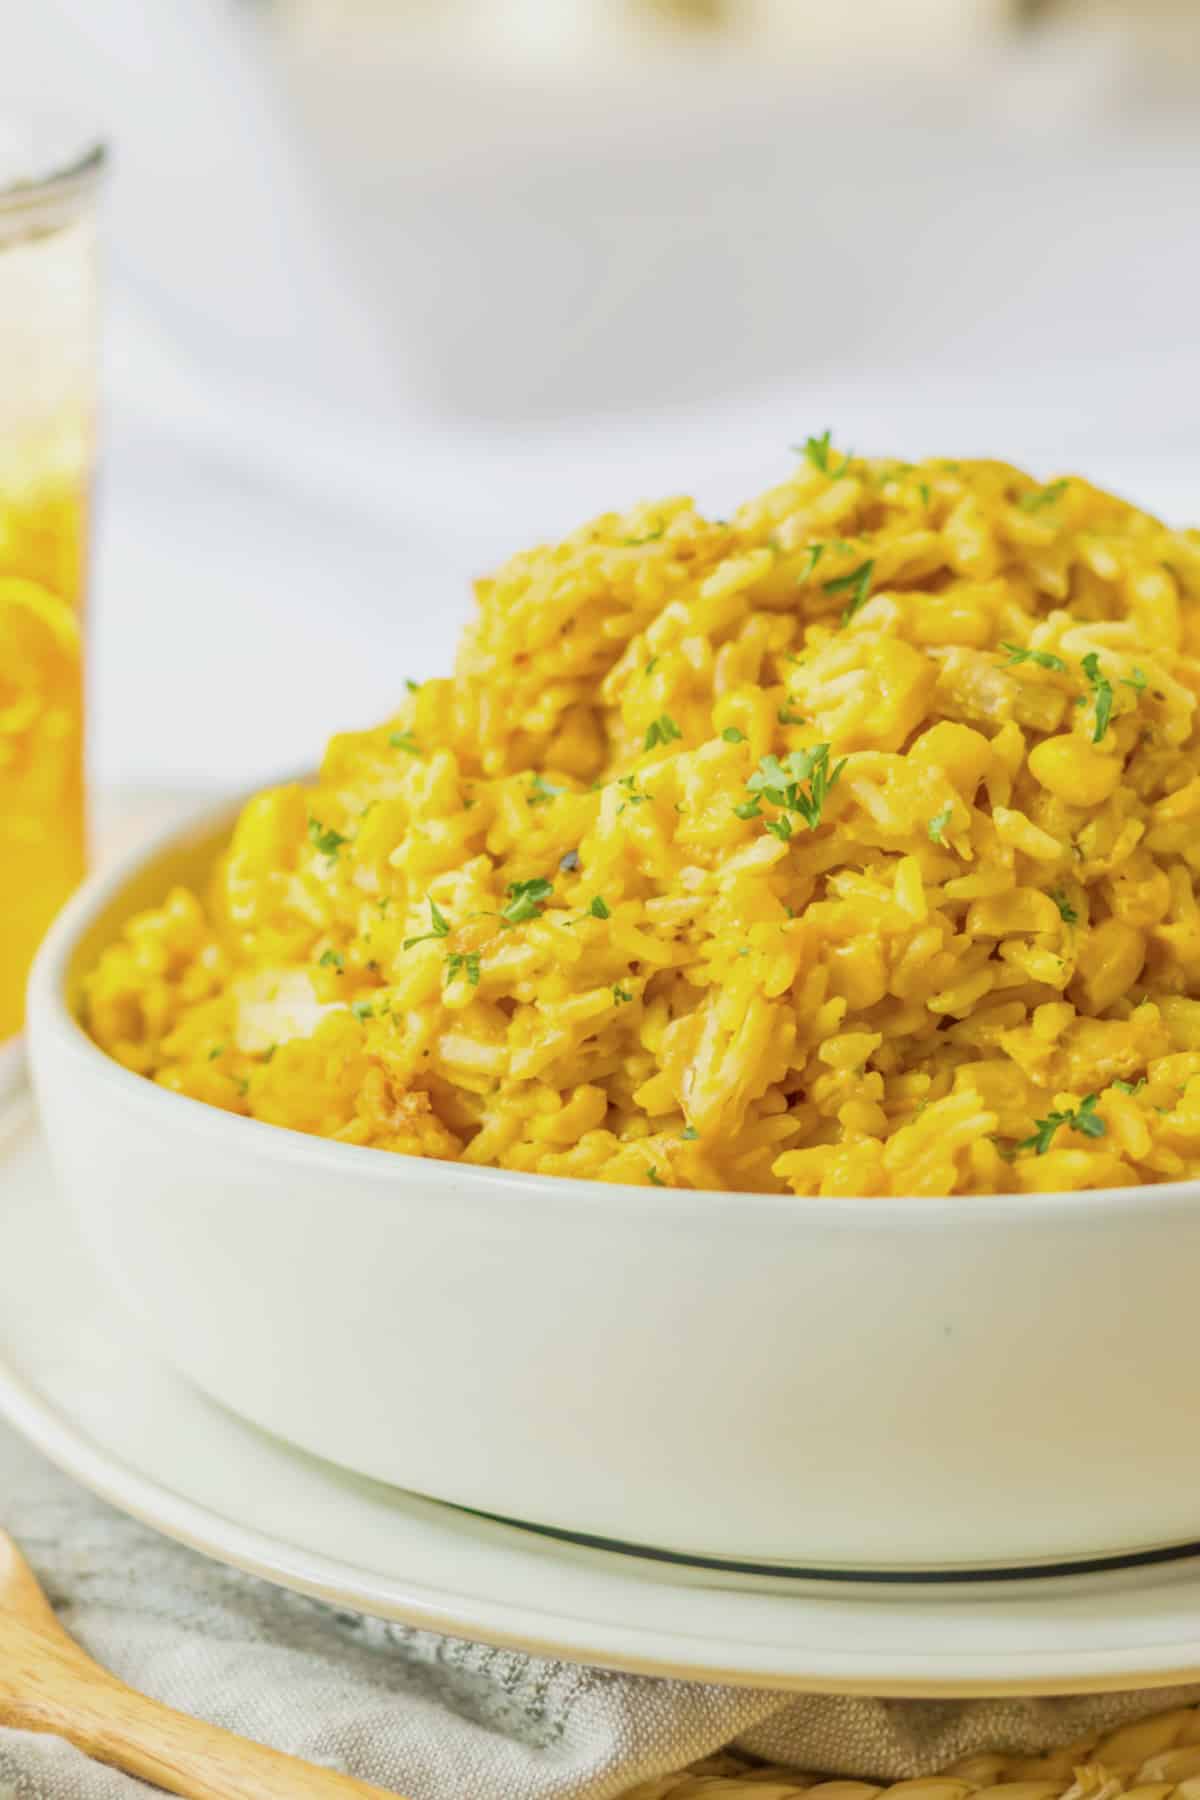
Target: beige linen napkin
{"type": "Point", "coordinates": [432, 1717]}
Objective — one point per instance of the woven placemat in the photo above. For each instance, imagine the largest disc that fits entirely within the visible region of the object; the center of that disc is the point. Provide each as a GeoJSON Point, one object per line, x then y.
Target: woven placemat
{"type": "Point", "coordinates": [1155, 1759]}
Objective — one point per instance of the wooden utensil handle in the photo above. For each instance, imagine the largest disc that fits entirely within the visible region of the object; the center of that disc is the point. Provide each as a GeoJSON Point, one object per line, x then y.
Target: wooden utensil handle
{"type": "Point", "coordinates": [57, 1688]}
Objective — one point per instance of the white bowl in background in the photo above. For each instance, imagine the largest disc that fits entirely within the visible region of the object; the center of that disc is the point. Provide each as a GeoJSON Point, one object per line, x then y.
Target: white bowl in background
{"type": "Point", "coordinates": [833, 1383]}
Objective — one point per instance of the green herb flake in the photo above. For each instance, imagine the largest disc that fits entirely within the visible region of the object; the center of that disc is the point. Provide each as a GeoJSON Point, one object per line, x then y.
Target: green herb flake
{"type": "Point", "coordinates": [404, 740]}
{"type": "Point", "coordinates": [815, 553]}
{"type": "Point", "coordinates": [1066, 911]}
{"type": "Point", "coordinates": [525, 900]}
{"type": "Point", "coordinates": [466, 963]}
{"type": "Point", "coordinates": [780, 828]}
{"type": "Point", "coordinates": [689, 1134]}
{"type": "Point", "coordinates": [939, 822]}
{"type": "Point", "coordinates": [1021, 653]}
{"type": "Point", "coordinates": [621, 995]}
{"type": "Point", "coordinates": [651, 666]}
{"type": "Point", "coordinates": [923, 490]}
{"type": "Point", "coordinates": [1082, 1119]}
{"type": "Point", "coordinates": [1130, 1087]}
{"type": "Point", "coordinates": [817, 449]}
{"type": "Point", "coordinates": [632, 795]}
{"type": "Point", "coordinates": [541, 792]}
{"type": "Point", "coordinates": [857, 584]}
{"type": "Point", "coordinates": [786, 716]}
{"type": "Point", "coordinates": [1102, 693]}
{"type": "Point", "coordinates": [269, 1052]}
{"type": "Point", "coordinates": [217, 1050]}
{"type": "Point", "coordinates": [662, 730]}
{"type": "Point", "coordinates": [783, 784]}
{"type": "Point", "coordinates": [1040, 498]}
{"type": "Point", "coordinates": [332, 959]}
{"type": "Point", "coordinates": [655, 1177]}
{"type": "Point", "coordinates": [363, 1010]}
{"type": "Point", "coordinates": [598, 909]}
{"type": "Point", "coordinates": [325, 838]}
{"type": "Point", "coordinates": [414, 687]}
{"type": "Point", "coordinates": [749, 809]}
{"type": "Point", "coordinates": [440, 927]}
{"type": "Point", "coordinates": [732, 735]}
{"type": "Point", "coordinates": [1136, 681]}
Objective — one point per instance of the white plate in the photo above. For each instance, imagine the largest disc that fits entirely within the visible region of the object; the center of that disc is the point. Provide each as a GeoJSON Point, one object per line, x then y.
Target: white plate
{"type": "Point", "coordinates": [76, 1379]}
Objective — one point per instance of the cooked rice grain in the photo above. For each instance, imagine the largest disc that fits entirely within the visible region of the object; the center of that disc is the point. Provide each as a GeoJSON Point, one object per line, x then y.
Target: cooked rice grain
{"type": "Point", "coordinates": [847, 847]}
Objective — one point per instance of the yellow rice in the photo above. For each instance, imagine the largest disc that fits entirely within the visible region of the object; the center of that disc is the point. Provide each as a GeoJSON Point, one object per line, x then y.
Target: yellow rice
{"type": "Point", "coordinates": [557, 915]}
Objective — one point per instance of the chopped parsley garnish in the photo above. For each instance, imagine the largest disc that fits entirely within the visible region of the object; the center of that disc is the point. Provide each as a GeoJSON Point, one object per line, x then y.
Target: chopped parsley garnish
{"type": "Point", "coordinates": [333, 959]}
{"type": "Point", "coordinates": [541, 791]}
{"type": "Point", "coordinates": [464, 963]}
{"type": "Point", "coordinates": [817, 450]}
{"type": "Point", "coordinates": [939, 822]}
{"type": "Point", "coordinates": [783, 784]}
{"type": "Point", "coordinates": [413, 687]}
{"type": "Point", "coordinates": [732, 735]}
{"type": "Point", "coordinates": [598, 909]}
{"type": "Point", "coordinates": [525, 900]}
{"type": "Point", "coordinates": [1019, 653]}
{"type": "Point", "coordinates": [786, 716]}
{"type": "Point", "coordinates": [857, 584]}
{"type": "Point", "coordinates": [651, 537]}
{"type": "Point", "coordinates": [1136, 681]}
{"type": "Point", "coordinates": [325, 838]}
{"type": "Point", "coordinates": [689, 1134]}
{"type": "Point", "coordinates": [362, 1009]}
{"type": "Point", "coordinates": [651, 666]}
{"type": "Point", "coordinates": [1130, 1087]}
{"type": "Point", "coordinates": [662, 730]}
{"type": "Point", "coordinates": [815, 553]}
{"type": "Point", "coordinates": [1082, 1119]}
{"type": "Point", "coordinates": [1043, 497]}
{"type": "Point", "coordinates": [217, 1050]}
{"type": "Point", "coordinates": [923, 490]}
{"type": "Point", "coordinates": [749, 809]}
{"type": "Point", "coordinates": [780, 828]}
{"type": "Point", "coordinates": [655, 1177]}
{"type": "Point", "coordinates": [621, 995]}
{"type": "Point", "coordinates": [569, 863]}
{"type": "Point", "coordinates": [1066, 911]}
{"type": "Point", "coordinates": [632, 797]}
{"type": "Point", "coordinates": [404, 740]}
{"type": "Point", "coordinates": [440, 927]}
{"type": "Point", "coordinates": [1102, 693]}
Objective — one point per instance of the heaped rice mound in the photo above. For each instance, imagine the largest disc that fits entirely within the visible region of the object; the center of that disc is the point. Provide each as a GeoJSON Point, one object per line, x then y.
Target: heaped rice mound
{"type": "Point", "coordinates": [849, 846]}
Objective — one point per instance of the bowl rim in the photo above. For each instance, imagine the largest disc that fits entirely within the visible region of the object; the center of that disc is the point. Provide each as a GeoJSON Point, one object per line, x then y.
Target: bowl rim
{"type": "Point", "coordinates": [50, 1017]}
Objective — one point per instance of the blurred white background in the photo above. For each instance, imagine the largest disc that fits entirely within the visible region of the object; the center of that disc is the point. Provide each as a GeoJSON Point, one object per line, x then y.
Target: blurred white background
{"type": "Point", "coordinates": [396, 285]}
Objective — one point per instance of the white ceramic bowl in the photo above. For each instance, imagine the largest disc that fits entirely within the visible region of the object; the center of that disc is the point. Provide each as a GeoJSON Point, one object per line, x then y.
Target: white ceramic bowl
{"type": "Point", "coordinates": [878, 1384]}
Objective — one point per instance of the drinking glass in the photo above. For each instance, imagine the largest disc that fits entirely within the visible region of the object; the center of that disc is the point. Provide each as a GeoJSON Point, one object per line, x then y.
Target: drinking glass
{"type": "Point", "coordinates": [49, 180]}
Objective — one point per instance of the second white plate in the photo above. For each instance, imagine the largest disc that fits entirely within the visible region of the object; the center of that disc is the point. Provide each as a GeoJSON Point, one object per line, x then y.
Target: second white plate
{"type": "Point", "coordinates": [79, 1381]}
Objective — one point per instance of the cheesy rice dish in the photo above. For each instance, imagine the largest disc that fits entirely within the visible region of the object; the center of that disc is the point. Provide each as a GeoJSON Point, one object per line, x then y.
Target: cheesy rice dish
{"type": "Point", "coordinates": [847, 846]}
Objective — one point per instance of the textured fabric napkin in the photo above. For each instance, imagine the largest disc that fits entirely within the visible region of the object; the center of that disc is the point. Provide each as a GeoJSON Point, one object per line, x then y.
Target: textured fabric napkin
{"type": "Point", "coordinates": [432, 1717]}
